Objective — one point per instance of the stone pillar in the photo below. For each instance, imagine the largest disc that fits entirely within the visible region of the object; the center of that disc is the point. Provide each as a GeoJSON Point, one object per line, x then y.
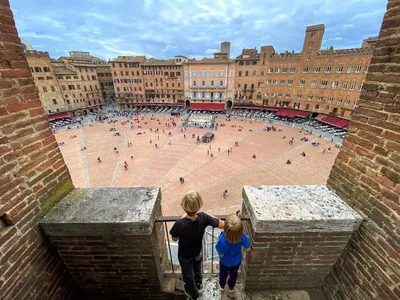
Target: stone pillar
{"type": "Point", "coordinates": [296, 235]}
{"type": "Point", "coordinates": [109, 241]}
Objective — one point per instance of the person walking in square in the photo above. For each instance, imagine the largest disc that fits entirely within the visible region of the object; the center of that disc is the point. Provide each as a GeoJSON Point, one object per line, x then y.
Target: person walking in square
{"type": "Point", "coordinates": [189, 231]}
{"type": "Point", "coordinates": [225, 194]}
{"type": "Point", "coordinates": [229, 248]}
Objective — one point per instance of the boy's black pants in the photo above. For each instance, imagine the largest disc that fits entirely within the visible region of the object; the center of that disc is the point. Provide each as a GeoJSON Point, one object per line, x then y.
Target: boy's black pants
{"type": "Point", "coordinates": [191, 273]}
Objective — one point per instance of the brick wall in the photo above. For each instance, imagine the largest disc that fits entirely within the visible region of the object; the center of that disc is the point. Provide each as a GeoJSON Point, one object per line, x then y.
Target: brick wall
{"type": "Point", "coordinates": [366, 175]}
{"type": "Point", "coordinates": [32, 177]}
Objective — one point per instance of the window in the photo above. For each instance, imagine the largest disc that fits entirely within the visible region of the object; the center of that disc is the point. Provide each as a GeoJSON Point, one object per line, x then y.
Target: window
{"type": "Point", "coordinates": [186, 82]}
{"type": "Point", "coordinates": [299, 96]}
{"type": "Point", "coordinates": [366, 69]}
{"type": "Point", "coordinates": [324, 83]}
{"type": "Point", "coordinates": [305, 70]}
{"type": "Point", "coordinates": [289, 82]}
{"type": "Point", "coordinates": [316, 106]}
{"type": "Point", "coordinates": [44, 89]}
{"type": "Point", "coordinates": [203, 95]}
{"type": "Point", "coordinates": [302, 83]}
{"type": "Point", "coordinates": [284, 70]}
{"type": "Point", "coordinates": [335, 84]}
{"type": "Point", "coordinates": [277, 70]}
{"type": "Point", "coordinates": [212, 74]}
{"type": "Point", "coordinates": [339, 69]}
{"type": "Point", "coordinates": [344, 86]}
{"type": "Point", "coordinates": [355, 104]}
{"type": "Point", "coordinates": [320, 99]}
{"type": "Point", "coordinates": [46, 69]}
{"type": "Point", "coordinates": [254, 73]}
{"type": "Point", "coordinates": [268, 82]}
{"type": "Point", "coordinates": [231, 73]}
{"type": "Point", "coordinates": [328, 69]}
{"type": "Point", "coordinates": [49, 78]}
{"type": "Point", "coordinates": [262, 73]}
{"type": "Point", "coordinates": [221, 95]}
{"type": "Point", "coordinates": [279, 96]}
{"type": "Point", "coordinates": [360, 88]}
{"type": "Point", "coordinates": [38, 69]}
{"type": "Point", "coordinates": [194, 95]}
{"type": "Point", "coordinates": [203, 83]}
{"type": "Point", "coordinates": [53, 89]}
{"type": "Point", "coordinates": [349, 69]}
{"type": "Point", "coordinates": [282, 82]}
{"type": "Point", "coordinates": [309, 98]}
{"type": "Point", "coordinates": [54, 101]}
{"type": "Point", "coordinates": [194, 83]}
{"type": "Point", "coordinates": [221, 73]}
{"type": "Point", "coordinates": [346, 102]}
{"type": "Point", "coordinates": [358, 69]}
{"type": "Point", "coordinates": [352, 86]}
{"type": "Point", "coordinates": [40, 78]}
{"type": "Point", "coordinates": [308, 56]}
{"type": "Point", "coordinates": [240, 73]}
{"type": "Point", "coordinates": [194, 74]}
{"type": "Point", "coordinates": [212, 95]}
{"type": "Point", "coordinates": [312, 35]}
{"type": "Point", "coordinates": [327, 107]}
{"type": "Point", "coordinates": [330, 100]}
{"type": "Point", "coordinates": [292, 70]}
{"type": "Point", "coordinates": [212, 83]}
{"type": "Point", "coordinates": [313, 83]}
{"type": "Point", "coordinates": [287, 96]}
{"type": "Point", "coordinates": [63, 87]}
{"type": "Point", "coordinates": [270, 70]}
{"type": "Point", "coordinates": [247, 73]}
{"type": "Point", "coordinates": [185, 74]}
{"type": "Point", "coordinates": [274, 82]}
{"type": "Point", "coordinates": [339, 101]}
{"type": "Point", "coordinates": [221, 83]}
{"type": "Point", "coordinates": [203, 74]}
{"type": "Point", "coordinates": [310, 46]}
{"type": "Point", "coordinates": [230, 82]}
{"type": "Point", "coordinates": [317, 69]}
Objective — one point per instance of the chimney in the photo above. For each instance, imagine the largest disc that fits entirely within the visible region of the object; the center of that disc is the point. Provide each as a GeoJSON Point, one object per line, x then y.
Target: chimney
{"type": "Point", "coordinates": [226, 48]}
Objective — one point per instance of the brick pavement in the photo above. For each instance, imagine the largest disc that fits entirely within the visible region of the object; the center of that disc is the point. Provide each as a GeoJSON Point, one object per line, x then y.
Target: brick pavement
{"type": "Point", "coordinates": [164, 165]}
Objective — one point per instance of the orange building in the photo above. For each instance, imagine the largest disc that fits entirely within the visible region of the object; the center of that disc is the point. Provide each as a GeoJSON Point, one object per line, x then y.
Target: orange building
{"type": "Point", "coordinates": [128, 80]}
{"type": "Point", "coordinates": [320, 81]}
{"type": "Point", "coordinates": [163, 81]}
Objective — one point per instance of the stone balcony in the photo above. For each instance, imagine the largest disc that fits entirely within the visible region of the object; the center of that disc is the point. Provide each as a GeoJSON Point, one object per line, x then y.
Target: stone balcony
{"type": "Point", "coordinates": [114, 247]}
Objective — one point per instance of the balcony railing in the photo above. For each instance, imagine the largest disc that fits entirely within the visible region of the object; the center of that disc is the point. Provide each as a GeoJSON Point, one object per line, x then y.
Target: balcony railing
{"type": "Point", "coordinates": [210, 261]}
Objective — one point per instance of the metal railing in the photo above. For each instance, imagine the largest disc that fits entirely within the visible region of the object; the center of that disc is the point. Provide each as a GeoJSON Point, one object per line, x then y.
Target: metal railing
{"type": "Point", "coordinates": [209, 254]}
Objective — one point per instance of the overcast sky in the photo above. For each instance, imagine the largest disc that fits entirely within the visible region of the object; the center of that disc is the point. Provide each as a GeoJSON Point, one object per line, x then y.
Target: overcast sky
{"type": "Point", "coordinates": [163, 29]}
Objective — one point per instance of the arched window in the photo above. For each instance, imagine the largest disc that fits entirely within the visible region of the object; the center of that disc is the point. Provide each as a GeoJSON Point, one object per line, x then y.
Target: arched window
{"type": "Point", "coordinates": [231, 73]}
{"type": "Point", "coordinates": [212, 74]}
{"type": "Point", "coordinates": [186, 74]}
{"type": "Point", "coordinates": [194, 74]}
{"type": "Point", "coordinates": [203, 74]}
{"type": "Point", "coordinates": [221, 73]}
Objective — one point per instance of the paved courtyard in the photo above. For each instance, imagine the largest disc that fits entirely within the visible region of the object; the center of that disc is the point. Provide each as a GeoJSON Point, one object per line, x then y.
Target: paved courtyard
{"type": "Point", "coordinates": [177, 156]}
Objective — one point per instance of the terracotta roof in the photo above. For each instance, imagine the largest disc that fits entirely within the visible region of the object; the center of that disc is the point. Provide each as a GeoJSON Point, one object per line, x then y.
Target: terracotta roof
{"type": "Point", "coordinates": [63, 71]}
{"type": "Point", "coordinates": [158, 62]}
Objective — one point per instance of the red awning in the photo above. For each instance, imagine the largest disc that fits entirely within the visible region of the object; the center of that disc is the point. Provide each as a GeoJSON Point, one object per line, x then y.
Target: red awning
{"type": "Point", "coordinates": [320, 117]}
{"type": "Point", "coordinates": [59, 116]}
{"type": "Point", "coordinates": [207, 106]}
{"type": "Point", "coordinates": [255, 107]}
{"type": "Point", "coordinates": [335, 122]}
{"type": "Point", "coordinates": [302, 114]}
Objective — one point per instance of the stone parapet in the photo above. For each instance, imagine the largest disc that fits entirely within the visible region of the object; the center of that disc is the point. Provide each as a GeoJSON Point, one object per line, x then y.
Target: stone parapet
{"type": "Point", "coordinates": [296, 235]}
{"type": "Point", "coordinates": [109, 241]}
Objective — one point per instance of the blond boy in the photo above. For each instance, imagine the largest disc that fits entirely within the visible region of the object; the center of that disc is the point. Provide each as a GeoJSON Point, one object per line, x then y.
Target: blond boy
{"type": "Point", "coordinates": [189, 231]}
{"type": "Point", "coordinates": [229, 248]}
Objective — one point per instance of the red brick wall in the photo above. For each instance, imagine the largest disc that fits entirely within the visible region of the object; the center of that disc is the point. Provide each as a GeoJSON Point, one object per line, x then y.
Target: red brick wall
{"type": "Point", "coordinates": [366, 175]}
{"type": "Point", "coordinates": [32, 177]}
{"type": "Point", "coordinates": [116, 267]}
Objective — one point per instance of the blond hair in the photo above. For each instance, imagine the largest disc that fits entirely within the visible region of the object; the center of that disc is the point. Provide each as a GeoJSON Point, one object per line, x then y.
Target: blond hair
{"type": "Point", "coordinates": [191, 203]}
{"type": "Point", "coordinates": [233, 228]}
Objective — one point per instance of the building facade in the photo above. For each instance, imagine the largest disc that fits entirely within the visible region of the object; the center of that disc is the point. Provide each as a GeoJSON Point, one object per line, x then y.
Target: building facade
{"type": "Point", "coordinates": [209, 83]}
{"type": "Point", "coordinates": [69, 84]}
{"type": "Point", "coordinates": [46, 82]}
{"type": "Point", "coordinates": [128, 80]}
{"type": "Point", "coordinates": [163, 81]}
{"type": "Point", "coordinates": [106, 82]}
{"type": "Point", "coordinates": [320, 81]}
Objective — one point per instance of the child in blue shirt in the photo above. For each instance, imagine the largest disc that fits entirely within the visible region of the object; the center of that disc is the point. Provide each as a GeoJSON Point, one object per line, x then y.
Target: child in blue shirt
{"type": "Point", "coordinates": [229, 248]}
